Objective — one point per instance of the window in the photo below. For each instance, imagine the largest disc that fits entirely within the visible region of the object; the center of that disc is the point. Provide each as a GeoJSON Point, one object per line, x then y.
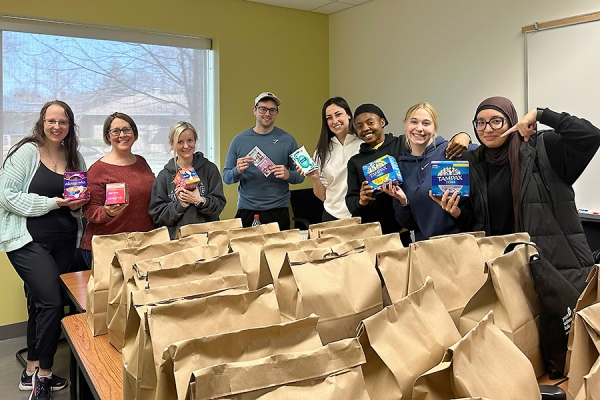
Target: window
{"type": "Point", "coordinates": [156, 79]}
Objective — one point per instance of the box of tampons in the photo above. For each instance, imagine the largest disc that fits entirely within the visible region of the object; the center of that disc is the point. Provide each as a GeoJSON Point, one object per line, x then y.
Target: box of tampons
{"type": "Point", "coordinates": [450, 175]}
{"type": "Point", "coordinates": [116, 193]}
{"type": "Point", "coordinates": [383, 169]}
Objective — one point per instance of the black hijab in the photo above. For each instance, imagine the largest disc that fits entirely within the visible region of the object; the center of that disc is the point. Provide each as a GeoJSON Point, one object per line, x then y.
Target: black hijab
{"type": "Point", "coordinates": [509, 151]}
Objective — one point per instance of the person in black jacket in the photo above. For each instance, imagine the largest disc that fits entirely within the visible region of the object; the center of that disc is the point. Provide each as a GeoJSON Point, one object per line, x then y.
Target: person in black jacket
{"type": "Point", "coordinates": [521, 180]}
{"type": "Point", "coordinates": [361, 199]}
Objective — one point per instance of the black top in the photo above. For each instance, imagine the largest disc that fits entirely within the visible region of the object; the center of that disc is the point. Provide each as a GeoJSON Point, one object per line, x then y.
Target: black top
{"type": "Point", "coordinates": [500, 201]}
{"type": "Point", "coordinates": [57, 224]}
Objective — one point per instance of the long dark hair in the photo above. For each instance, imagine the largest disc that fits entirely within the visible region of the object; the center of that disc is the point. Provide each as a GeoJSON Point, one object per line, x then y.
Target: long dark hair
{"type": "Point", "coordinates": [324, 143]}
{"type": "Point", "coordinates": [70, 142]}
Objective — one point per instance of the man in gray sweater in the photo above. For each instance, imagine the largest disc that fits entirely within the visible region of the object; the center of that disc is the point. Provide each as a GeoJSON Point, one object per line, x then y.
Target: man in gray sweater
{"type": "Point", "coordinates": [263, 192]}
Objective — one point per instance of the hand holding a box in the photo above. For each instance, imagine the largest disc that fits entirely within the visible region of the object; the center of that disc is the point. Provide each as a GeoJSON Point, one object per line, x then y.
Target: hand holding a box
{"type": "Point", "coordinates": [366, 194]}
{"type": "Point", "coordinates": [73, 204]}
{"type": "Point", "coordinates": [112, 210]}
{"type": "Point", "coordinates": [242, 164]}
{"type": "Point", "coordinates": [281, 172]}
{"type": "Point", "coordinates": [187, 197]}
{"type": "Point", "coordinates": [395, 191]}
{"type": "Point", "coordinates": [448, 202]}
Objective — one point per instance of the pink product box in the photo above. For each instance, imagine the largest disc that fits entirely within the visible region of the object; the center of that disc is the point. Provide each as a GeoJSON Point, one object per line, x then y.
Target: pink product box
{"type": "Point", "coordinates": [116, 193]}
{"type": "Point", "coordinates": [75, 185]}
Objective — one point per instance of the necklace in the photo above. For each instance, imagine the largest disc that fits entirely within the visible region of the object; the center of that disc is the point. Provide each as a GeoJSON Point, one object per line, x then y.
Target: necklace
{"type": "Point", "coordinates": [51, 159]}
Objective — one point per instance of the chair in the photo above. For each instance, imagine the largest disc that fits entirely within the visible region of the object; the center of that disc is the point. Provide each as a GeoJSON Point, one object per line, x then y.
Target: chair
{"type": "Point", "coordinates": [306, 207]}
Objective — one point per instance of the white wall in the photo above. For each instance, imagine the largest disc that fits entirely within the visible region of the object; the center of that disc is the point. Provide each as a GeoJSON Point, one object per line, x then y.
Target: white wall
{"type": "Point", "coordinates": [451, 53]}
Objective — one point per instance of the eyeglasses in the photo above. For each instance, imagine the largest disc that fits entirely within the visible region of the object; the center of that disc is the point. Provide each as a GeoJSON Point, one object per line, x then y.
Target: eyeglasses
{"type": "Point", "coordinates": [116, 132]}
{"type": "Point", "coordinates": [54, 122]}
{"type": "Point", "coordinates": [263, 110]}
{"type": "Point", "coordinates": [494, 123]}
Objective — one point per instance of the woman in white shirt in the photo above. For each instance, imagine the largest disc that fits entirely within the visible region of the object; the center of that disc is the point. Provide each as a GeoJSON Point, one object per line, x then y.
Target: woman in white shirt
{"type": "Point", "coordinates": [337, 143]}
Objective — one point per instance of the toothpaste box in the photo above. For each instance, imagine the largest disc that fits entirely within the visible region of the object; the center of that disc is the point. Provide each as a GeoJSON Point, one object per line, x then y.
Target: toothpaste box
{"type": "Point", "coordinates": [116, 193]}
{"type": "Point", "coordinates": [303, 160]}
{"type": "Point", "coordinates": [75, 185]}
{"type": "Point", "coordinates": [187, 178]}
{"type": "Point", "coordinates": [450, 175]}
{"type": "Point", "coordinates": [382, 170]}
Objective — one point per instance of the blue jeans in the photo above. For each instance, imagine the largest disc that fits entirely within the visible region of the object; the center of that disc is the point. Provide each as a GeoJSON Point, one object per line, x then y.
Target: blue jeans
{"type": "Point", "coordinates": [87, 257]}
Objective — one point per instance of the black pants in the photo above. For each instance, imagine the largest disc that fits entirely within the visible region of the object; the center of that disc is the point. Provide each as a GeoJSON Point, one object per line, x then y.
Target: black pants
{"type": "Point", "coordinates": [279, 215]}
{"type": "Point", "coordinates": [328, 217]}
{"type": "Point", "coordinates": [40, 264]}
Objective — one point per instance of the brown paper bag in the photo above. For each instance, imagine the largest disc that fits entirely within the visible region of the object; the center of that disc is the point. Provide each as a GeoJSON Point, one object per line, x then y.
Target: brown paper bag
{"type": "Point", "coordinates": [139, 278]}
{"type": "Point", "coordinates": [229, 264]}
{"type": "Point", "coordinates": [493, 246]}
{"type": "Point", "coordinates": [586, 347]}
{"type": "Point", "coordinates": [380, 243]}
{"type": "Point", "coordinates": [510, 293]}
{"type": "Point", "coordinates": [352, 232]}
{"type": "Point", "coordinates": [590, 296]}
{"type": "Point", "coordinates": [257, 378]}
{"type": "Point", "coordinates": [394, 268]}
{"type": "Point", "coordinates": [139, 370]}
{"type": "Point", "coordinates": [476, 234]}
{"type": "Point", "coordinates": [483, 363]}
{"type": "Point", "coordinates": [121, 271]}
{"type": "Point", "coordinates": [405, 340]}
{"type": "Point", "coordinates": [103, 249]}
{"type": "Point", "coordinates": [456, 266]}
{"type": "Point", "coordinates": [206, 227]}
{"type": "Point", "coordinates": [181, 358]}
{"type": "Point", "coordinates": [339, 284]}
{"type": "Point", "coordinates": [590, 390]}
{"type": "Point", "coordinates": [249, 248]}
{"type": "Point", "coordinates": [222, 238]}
{"type": "Point", "coordinates": [313, 230]}
{"type": "Point", "coordinates": [272, 255]}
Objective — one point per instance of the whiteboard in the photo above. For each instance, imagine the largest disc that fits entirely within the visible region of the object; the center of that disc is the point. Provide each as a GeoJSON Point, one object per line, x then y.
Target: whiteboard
{"type": "Point", "coordinates": [563, 74]}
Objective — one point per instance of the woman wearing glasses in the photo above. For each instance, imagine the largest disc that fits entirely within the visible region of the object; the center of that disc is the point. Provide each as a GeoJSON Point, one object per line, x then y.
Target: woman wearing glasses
{"type": "Point", "coordinates": [39, 233]}
{"type": "Point", "coordinates": [521, 180]}
{"type": "Point", "coordinates": [120, 165]}
{"type": "Point", "coordinates": [174, 206]}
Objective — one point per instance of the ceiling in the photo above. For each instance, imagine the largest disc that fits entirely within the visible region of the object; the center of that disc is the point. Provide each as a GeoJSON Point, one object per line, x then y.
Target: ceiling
{"type": "Point", "coordinates": [320, 6]}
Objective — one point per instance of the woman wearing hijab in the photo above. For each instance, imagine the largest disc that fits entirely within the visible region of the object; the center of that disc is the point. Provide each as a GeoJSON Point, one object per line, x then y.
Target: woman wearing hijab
{"type": "Point", "coordinates": [521, 180]}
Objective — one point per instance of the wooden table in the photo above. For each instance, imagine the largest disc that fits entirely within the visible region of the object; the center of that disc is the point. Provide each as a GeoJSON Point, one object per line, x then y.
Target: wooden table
{"type": "Point", "coordinates": [96, 367]}
{"type": "Point", "coordinates": [93, 361]}
{"type": "Point", "coordinates": [75, 284]}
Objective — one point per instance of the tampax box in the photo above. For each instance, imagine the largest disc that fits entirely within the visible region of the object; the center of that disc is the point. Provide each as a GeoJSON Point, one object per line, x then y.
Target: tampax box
{"type": "Point", "coordinates": [187, 178]}
{"type": "Point", "coordinates": [382, 170]}
{"type": "Point", "coordinates": [116, 193]}
{"type": "Point", "coordinates": [303, 160]}
{"type": "Point", "coordinates": [450, 175]}
{"type": "Point", "coordinates": [75, 185]}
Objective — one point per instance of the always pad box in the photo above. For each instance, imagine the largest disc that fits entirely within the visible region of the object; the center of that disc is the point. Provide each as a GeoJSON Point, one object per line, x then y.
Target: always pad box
{"type": "Point", "coordinates": [450, 175]}
{"type": "Point", "coordinates": [381, 170]}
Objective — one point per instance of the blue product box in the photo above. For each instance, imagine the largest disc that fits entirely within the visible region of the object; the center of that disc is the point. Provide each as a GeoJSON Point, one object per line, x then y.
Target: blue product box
{"type": "Point", "coordinates": [382, 170]}
{"type": "Point", "coordinates": [450, 175]}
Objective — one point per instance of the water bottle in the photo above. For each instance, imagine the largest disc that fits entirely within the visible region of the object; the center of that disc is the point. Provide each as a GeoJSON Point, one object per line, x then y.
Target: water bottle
{"type": "Point", "coordinates": [256, 221]}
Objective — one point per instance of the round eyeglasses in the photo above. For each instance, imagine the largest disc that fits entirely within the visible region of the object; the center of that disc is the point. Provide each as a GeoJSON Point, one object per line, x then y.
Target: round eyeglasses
{"type": "Point", "coordinates": [494, 123]}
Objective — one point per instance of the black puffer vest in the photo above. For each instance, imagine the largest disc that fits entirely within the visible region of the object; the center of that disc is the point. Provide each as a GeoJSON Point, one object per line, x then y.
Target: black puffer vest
{"type": "Point", "coordinates": [548, 211]}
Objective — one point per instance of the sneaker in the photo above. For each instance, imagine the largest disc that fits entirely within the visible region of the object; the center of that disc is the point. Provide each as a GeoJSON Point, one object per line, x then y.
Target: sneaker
{"type": "Point", "coordinates": [25, 384]}
{"type": "Point", "coordinates": [41, 387]}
